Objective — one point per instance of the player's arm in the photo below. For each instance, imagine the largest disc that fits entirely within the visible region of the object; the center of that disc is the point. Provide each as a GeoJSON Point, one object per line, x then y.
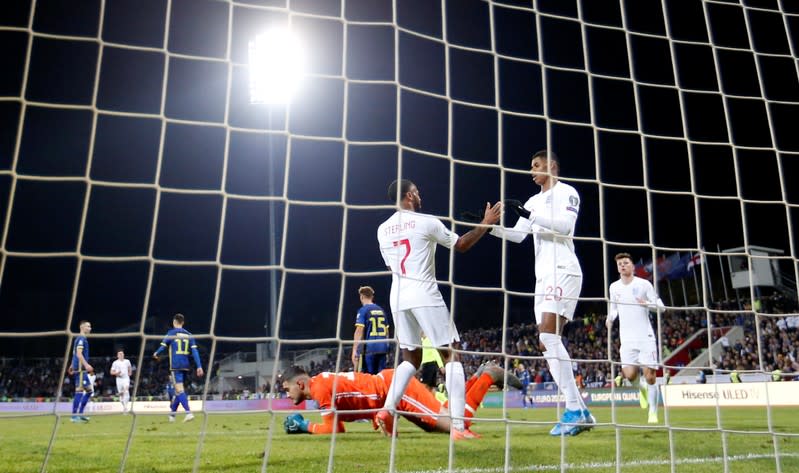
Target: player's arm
{"type": "Point", "coordinates": [437, 358]}
{"type": "Point", "coordinates": [560, 220]}
{"type": "Point", "coordinates": [130, 370]}
{"type": "Point", "coordinates": [322, 393]}
{"type": "Point", "coordinates": [490, 217]}
{"type": "Point", "coordinates": [196, 355]}
{"type": "Point", "coordinates": [114, 370]}
{"type": "Point", "coordinates": [297, 424]}
{"type": "Point", "coordinates": [652, 301]}
{"type": "Point", "coordinates": [82, 360]}
{"type": "Point", "coordinates": [613, 313]}
{"type": "Point", "coordinates": [357, 337]}
{"type": "Point", "coordinates": [520, 230]}
{"type": "Point", "coordinates": [164, 345]}
{"type": "Point", "coordinates": [328, 425]}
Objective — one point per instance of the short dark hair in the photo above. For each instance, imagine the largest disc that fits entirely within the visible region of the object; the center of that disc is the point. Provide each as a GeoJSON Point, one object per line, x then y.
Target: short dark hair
{"type": "Point", "coordinates": [366, 291]}
{"type": "Point", "coordinates": [429, 374]}
{"type": "Point", "coordinates": [405, 187]}
{"type": "Point", "coordinates": [293, 372]}
{"type": "Point", "coordinates": [84, 321]}
{"type": "Point", "coordinates": [623, 255]}
{"type": "Point", "coordinates": [545, 153]}
{"type": "Point", "coordinates": [179, 318]}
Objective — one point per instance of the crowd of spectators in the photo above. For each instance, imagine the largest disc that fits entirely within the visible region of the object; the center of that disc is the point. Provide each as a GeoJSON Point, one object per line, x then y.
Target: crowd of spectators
{"type": "Point", "coordinates": [779, 340]}
{"type": "Point", "coordinates": [29, 378]}
{"type": "Point", "coordinates": [586, 339]}
{"type": "Point", "coordinates": [37, 378]}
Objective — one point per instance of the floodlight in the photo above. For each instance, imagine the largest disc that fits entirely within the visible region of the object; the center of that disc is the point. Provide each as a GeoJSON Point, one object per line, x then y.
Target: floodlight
{"type": "Point", "coordinates": [277, 65]}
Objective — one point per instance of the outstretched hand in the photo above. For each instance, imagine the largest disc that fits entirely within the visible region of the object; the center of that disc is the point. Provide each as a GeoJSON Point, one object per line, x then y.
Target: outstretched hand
{"type": "Point", "coordinates": [492, 213]}
{"type": "Point", "coordinates": [516, 207]}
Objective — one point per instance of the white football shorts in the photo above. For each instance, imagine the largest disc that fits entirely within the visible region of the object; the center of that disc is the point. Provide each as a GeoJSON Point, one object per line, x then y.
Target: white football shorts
{"type": "Point", "coordinates": [642, 352]}
{"type": "Point", "coordinates": [123, 384]}
{"type": "Point", "coordinates": [435, 322]}
{"type": "Point", "coordinates": [558, 294]}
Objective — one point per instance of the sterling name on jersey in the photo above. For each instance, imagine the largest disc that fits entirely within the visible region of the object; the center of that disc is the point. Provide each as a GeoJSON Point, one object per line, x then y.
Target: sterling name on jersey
{"type": "Point", "coordinates": [634, 324]}
{"type": "Point", "coordinates": [408, 244]}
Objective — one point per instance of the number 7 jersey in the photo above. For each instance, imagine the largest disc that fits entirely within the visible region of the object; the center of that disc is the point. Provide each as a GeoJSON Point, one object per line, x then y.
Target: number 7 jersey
{"type": "Point", "coordinates": [408, 245]}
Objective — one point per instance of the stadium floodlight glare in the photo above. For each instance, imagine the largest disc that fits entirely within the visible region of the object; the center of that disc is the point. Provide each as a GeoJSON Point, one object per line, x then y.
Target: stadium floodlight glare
{"type": "Point", "coordinates": [277, 66]}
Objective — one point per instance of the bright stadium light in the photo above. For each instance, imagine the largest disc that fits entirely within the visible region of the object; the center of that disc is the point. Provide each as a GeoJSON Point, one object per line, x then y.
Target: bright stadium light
{"type": "Point", "coordinates": [277, 65]}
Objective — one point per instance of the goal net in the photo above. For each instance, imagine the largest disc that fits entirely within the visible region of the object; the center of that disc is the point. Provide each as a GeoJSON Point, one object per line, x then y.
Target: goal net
{"type": "Point", "coordinates": [139, 179]}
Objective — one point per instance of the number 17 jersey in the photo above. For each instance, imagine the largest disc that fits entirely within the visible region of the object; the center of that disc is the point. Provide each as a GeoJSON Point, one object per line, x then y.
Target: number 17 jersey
{"type": "Point", "coordinates": [408, 245]}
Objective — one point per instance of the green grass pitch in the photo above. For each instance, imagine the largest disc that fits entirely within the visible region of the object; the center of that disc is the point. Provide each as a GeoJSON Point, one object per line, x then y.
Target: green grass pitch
{"type": "Point", "coordinates": [235, 442]}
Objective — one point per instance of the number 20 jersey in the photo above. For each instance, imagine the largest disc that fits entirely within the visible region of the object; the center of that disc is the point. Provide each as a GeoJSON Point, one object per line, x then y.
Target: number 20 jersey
{"type": "Point", "coordinates": [408, 244]}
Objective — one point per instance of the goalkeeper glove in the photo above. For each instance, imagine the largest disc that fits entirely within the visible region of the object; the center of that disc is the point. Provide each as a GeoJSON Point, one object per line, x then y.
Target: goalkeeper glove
{"type": "Point", "coordinates": [295, 424]}
{"type": "Point", "coordinates": [516, 207]}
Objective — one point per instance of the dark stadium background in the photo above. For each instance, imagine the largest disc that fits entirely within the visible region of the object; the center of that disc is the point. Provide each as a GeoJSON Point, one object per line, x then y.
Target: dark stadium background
{"type": "Point", "coordinates": [36, 292]}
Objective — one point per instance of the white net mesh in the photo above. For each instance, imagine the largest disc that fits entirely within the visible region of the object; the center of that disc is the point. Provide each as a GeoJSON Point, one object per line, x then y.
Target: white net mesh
{"type": "Point", "coordinates": [138, 181]}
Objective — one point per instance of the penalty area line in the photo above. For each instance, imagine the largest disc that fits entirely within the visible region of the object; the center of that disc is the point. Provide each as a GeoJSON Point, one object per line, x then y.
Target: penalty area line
{"type": "Point", "coordinates": [592, 465]}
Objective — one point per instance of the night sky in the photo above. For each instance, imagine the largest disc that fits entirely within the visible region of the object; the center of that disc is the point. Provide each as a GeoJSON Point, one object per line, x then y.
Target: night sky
{"type": "Point", "coordinates": [127, 136]}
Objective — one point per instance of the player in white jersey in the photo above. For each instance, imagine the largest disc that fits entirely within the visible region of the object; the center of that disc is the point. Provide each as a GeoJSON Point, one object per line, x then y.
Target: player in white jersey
{"type": "Point", "coordinates": [550, 216]}
{"type": "Point", "coordinates": [122, 369]}
{"type": "Point", "coordinates": [631, 299]}
{"type": "Point", "coordinates": [408, 241]}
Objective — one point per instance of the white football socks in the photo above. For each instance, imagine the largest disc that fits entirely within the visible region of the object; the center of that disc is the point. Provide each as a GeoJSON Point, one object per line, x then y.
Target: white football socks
{"type": "Point", "coordinates": [402, 376]}
{"type": "Point", "coordinates": [456, 390]}
{"type": "Point", "coordinates": [652, 393]}
{"type": "Point", "coordinates": [560, 365]}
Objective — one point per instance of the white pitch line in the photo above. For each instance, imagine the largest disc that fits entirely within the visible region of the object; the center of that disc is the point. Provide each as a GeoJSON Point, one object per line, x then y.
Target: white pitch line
{"type": "Point", "coordinates": [592, 465]}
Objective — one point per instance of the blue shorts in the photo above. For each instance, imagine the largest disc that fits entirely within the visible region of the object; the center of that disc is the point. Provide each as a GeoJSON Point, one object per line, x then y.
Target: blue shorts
{"type": "Point", "coordinates": [82, 381]}
{"type": "Point", "coordinates": [374, 362]}
{"type": "Point", "coordinates": [178, 376]}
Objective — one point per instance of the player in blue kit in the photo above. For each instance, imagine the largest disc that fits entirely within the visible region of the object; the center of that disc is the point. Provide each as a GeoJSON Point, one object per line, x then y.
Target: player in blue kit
{"type": "Point", "coordinates": [180, 342]}
{"type": "Point", "coordinates": [375, 323]}
{"type": "Point", "coordinates": [80, 367]}
{"type": "Point", "coordinates": [170, 390]}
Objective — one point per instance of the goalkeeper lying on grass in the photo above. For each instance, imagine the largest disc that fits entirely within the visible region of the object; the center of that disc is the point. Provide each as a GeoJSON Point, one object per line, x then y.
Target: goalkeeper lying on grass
{"type": "Point", "coordinates": [366, 393]}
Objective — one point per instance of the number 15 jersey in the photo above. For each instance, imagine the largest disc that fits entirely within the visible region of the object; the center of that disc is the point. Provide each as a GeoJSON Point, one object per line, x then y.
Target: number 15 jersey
{"type": "Point", "coordinates": [408, 244]}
